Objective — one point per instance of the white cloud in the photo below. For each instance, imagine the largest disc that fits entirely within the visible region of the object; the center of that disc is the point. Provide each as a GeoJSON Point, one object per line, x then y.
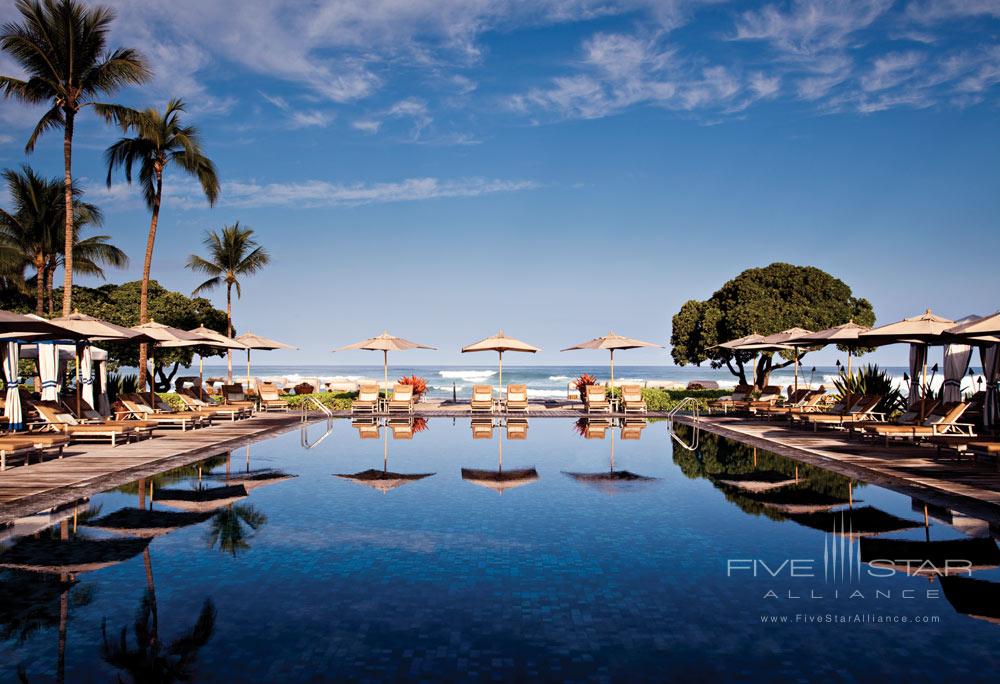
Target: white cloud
{"type": "Point", "coordinates": [891, 70]}
{"type": "Point", "coordinates": [185, 194]}
{"type": "Point", "coordinates": [932, 11]}
{"type": "Point", "coordinates": [310, 118]}
{"type": "Point", "coordinates": [4, 139]}
{"type": "Point", "coordinates": [810, 26]}
{"type": "Point", "coordinates": [367, 125]}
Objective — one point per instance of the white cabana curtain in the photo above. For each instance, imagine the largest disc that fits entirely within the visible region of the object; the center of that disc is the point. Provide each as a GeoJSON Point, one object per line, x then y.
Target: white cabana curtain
{"type": "Point", "coordinates": [87, 375]}
{"type": "Point", "coordinates": [989, 356]}
{"type": "Point", "coordinates": [48, 354]}
{"type": "Point", "coordinates": [103, 405]}
{"type": "Point", "coordinates": [956, 363]}
{"type": "Point", "coordinates": [918, 357]}
{"type": "Point", "coordinates": [12, 407]}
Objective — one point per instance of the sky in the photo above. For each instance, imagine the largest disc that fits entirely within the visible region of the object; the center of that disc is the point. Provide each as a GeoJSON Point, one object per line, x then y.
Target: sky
{"type": "Point", "coordinates": [559, 168]}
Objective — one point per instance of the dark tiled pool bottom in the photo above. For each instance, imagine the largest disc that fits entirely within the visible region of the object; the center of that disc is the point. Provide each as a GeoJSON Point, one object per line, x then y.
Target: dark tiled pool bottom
{"type": "Point", "coordinates": [550, 550]}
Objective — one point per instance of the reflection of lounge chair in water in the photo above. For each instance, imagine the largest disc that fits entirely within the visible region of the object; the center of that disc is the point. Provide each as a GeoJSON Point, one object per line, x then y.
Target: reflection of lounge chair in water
{"type": "Point", "coordinates": [482, 428]}
{"type": "Point", "coordinates": [367, 428]}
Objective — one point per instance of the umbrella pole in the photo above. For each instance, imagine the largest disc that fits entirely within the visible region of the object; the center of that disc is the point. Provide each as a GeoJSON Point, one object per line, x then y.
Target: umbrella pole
{"type": "Point", "coordinates": [201, 377]}
{"type": "Point", "coordinates": [152, 375]}
{"type": "Point", "coordinates": [796, 368]}
{"type": "Point", "coordinates": [385, 371]}
{"type": "Point", "coordinates": [612, 449]}
{"type": "Point", "coordinates": [248, 369]}
{"type": "Point", "coordinates": [501, 371]}
{"type": "Point", "coordinates": [79, 386]}
{"type": "Point", "coordinates": [385, 450]}
{"type": "Point", "coordinates": [612, 375]}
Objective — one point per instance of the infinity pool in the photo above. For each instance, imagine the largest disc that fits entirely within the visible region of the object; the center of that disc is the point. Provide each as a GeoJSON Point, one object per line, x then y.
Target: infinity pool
{"type": "Point", "coordinates": [450, 550]}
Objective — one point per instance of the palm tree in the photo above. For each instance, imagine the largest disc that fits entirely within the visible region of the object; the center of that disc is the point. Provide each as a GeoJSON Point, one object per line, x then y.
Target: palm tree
{"type": "Point", "coordinates": [61, 45]}
{"type": "Point", "coordinates": [232, 253]}
{"type": "Point", "coordinates": [30, 234]}
{"type": "Point", "coordinates": [232, 526]}
{"type": "Point", "coordinates": [159, 140]}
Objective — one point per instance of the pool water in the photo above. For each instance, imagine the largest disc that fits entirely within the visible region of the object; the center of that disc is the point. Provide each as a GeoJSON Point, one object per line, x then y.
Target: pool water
{"type": "Point", "coordinates": [518, 555]}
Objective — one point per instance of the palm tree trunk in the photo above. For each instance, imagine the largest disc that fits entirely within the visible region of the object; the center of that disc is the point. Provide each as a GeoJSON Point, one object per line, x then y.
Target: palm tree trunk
{"type": "Point", "coordinates": [68, 259]}
{"type": "Point", "coordinates": [146, 268]}
{"type": "Point", "coordinates": [50, 277]}
{"type": "Point", "coordinates": [40, 279]}
{"type": "Point", "coordinates": [229, 331]}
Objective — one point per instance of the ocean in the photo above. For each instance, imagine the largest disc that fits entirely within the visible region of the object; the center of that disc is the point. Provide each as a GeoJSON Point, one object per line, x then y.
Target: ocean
{"type": "Point", "coordinates": [543, 382]}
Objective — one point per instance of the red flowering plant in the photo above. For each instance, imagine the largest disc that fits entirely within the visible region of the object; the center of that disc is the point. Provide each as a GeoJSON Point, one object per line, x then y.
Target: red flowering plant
{"type": "Point", "coordinates": [418, 384]}
{"type": "Point", "coordinates": [581, 384]}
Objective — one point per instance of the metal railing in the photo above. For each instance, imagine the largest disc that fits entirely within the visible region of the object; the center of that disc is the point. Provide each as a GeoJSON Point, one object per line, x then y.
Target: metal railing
{"type": "Point", "coordinates": [694, 414]}
{"type": "Point", "coordinates": [310, 402]}
{"type": "Point", "coordinates": [304, 435]}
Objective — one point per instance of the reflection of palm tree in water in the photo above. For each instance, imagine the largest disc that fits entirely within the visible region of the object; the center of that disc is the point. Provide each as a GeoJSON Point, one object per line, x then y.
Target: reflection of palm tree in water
{"type": "Point", "coordinates": [149, 660]}
{"type": "Point", "coordinates": [232, 526]}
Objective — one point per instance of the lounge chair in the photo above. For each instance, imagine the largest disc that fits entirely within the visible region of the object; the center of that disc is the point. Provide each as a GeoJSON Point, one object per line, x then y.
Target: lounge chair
{"type": "Point", "coordinates": [193, 403]}
{"type": "Point", "coordinates": [769, 397]}
{"type": "Point", "coordinates": [270, 398]}
{"type": "Point", "coordinates": [809, 403]}
{"type": "Point", "coordinates": [482, 428]}
{"type": "Point", "coordinates": [517, 398]}
{"type": "Point", "coordinates": [136, 407]}
{"type": "Point", "coordinates": [943, 420]}
{"type": "Point", "coordinates": [367, 401]}
{"type": "Point", "coordinates": [632, 400]}
{"type": "Point", "coordinates": [595, 399]}
{"type": "Point", "coordinates": [913, 416]}
{"type": "Point", "coordinates": [54, 419]}
{"type": "Point", "coordinates": [88, 416]}
{"type": "Point", "coordinates": [402, 398]}
{"type": "Point", "coordinates": [517, 429]}
{"type": "Point", "coordinates": [402, 428]}
{"type": "Point", "coordinates": [233, 395]}
{"type": "Point", "coordinates": [740, 394]}
{"type": "Point", "coordinates": [27, 444]}
{"type": "Point", "coordinates": [482, 398]}
{"type": "Point", "coordinates": [839, 408]}
{"type": "Point", "coordinates": [368, 428]}
{"type": "Point", "coordinates": [862, 409]}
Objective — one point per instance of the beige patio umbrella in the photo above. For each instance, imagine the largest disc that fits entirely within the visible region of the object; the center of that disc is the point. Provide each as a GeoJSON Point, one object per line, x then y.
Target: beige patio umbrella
{"type": "Point", "coordinates": [214, 339]}
{"type": "Point", "coordinates": [385, 343]}
{"type": "Point", "coordinates": [611, 342]}
{"type": "Point", "coordinates": [845, 335]}
{"type": "Point", "coordinates": [253, 341]}
{"type": "Point", "coordinates": [786, 337]}
{"type": "Point", "coordinates": [164, 336]}
{"type": "Point", "coordinates": [500, 343]}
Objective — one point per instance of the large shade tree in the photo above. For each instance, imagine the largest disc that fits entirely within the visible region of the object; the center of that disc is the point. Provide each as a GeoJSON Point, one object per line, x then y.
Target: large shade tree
{"type": "Point", "coordinates": [763, 301]}
{"type": "Point", "coordinates": [31, 240]}
{"type": "Point", "coordinates": [120, 304]}
{"type": "Point", "coordinates": [61, 46]}
{"type": "Point", "coordinates": [159, 140]}
{"type": "Point", "coordinates": [232, 254]}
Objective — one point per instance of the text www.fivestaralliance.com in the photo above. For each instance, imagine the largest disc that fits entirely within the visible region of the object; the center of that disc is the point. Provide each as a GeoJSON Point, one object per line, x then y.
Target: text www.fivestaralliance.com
{"type": "Point", "coordinates": [848, 618]}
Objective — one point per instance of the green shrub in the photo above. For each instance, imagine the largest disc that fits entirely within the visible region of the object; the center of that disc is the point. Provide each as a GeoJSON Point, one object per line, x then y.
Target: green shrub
{"type": "Point", "coordinates": [171, 398]}
{"type": "Point", "coordinates": [663, 400]}
{"type": "Point", "coordinates": [336, 401]}
{"type": "Point", "coordinates": [871, 380]}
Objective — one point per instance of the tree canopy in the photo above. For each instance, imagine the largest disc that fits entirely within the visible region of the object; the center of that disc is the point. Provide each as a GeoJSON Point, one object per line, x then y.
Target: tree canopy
{"type": "Point", "coordinates": [120, 304]}
{"type": "Point", "coordinates": [763, 301]}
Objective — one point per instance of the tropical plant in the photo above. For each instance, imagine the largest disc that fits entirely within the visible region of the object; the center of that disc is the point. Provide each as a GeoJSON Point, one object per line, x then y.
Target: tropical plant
{"type": "Point", "coordinates": [231, 527]}
{"type": "Point", "coordinates": [581, 384]}
{"type": "Point", "coordinates": [232, 253]}
{"type": "Point", "coordinates": [62, 47]}
{"type": "Point", "coordinates": [871, 380]}
{"type": "Point", "coordinates": [418, 384]}
{"type": "Point", "coordinates": [160, 140]}
{"type": "Point", "coordinates": [763, 301]}
{"type": "Point", "coordinates": [119, 384]}
{"type": "Point", "coordinates": [30, 237]}
{"type": "Point", "coordinates": [151, 660]}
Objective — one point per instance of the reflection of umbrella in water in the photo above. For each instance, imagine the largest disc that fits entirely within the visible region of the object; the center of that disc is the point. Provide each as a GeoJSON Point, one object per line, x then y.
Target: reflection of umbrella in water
{"type": "Point", "coordinates": [918, 557]}
{"type": "Point", "coordinates": [70, 556]}
{"type": "Point", "coordinates": [500, 480]}
{"type": "Point", "coordinates": [253, 479]}
{"type": "Point", "coordinates": [612, 481]}
{"type": "Point", "coordinates": [976, 598]}
{"type": "Point", "coordinates": [758, 481]}
{"type": "Point", "coordinates": [143, 522]}
{"type": "Point", "coordinates": [866, 520]}
{"type": "Point", "coordinates": [202, 499]}
{"type": "Point", "coordinates": [385, 480]}
{"type": "Point", "coordinates": [799, 500]}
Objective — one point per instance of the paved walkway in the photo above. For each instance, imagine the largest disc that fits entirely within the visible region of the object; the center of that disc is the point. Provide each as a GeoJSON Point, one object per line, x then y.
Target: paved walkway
{"type": "Point", "coordinates": [88, 469]}
{"type": "Point", "coordinates": [971, 487]}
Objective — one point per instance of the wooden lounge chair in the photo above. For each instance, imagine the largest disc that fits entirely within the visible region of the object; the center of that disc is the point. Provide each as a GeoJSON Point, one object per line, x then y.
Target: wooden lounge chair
{"type": "Point", "coordinates": [27, 444]}
{"type": "Point", "coordinates": [367, 401]}
{"type": "Point", "coordinates": [596, 399]}
{"type": "Point", "coordinates": [943, 420]}
{"type": "Point", "coordinates": [517, 399]}
{"type": "Point", "coordinates": [632, 400]}
{"type": "Point", "coordinates": [839, 408]}
{"type": "Point", "coordinates": [193, 403]}
{"type": "Point", "coordinates": [740, 394]}
{"type": "Point", "coordinates": [913, 416]}
{"type": "Point", "coordinates": [270, 398]}
{"type": "Point", "coordinates": [482, 398]}
{"type": "Point", "coordinates": [808, 404]}
{"type": "Point", "coordinates": [55, 420]}
{"type": "Point", "coordinates": [769, 396]}
{"type": "Point", "coordinates": [863, 409]}
{"type": "Point", "coordinates": [233, 395]}
{"type": "Point", "coordinates": [137, 408]}
{"type": "Point", "coordinates": [402, 398]}
{"type": "Point", "coordinates": [88, 416]}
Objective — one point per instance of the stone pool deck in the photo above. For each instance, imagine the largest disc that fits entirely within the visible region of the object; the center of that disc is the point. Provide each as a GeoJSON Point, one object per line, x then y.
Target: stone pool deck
{"type": "Point", "coordinates": [88, 469]}
{"type": "Point", "coordinates": [965, 485]}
